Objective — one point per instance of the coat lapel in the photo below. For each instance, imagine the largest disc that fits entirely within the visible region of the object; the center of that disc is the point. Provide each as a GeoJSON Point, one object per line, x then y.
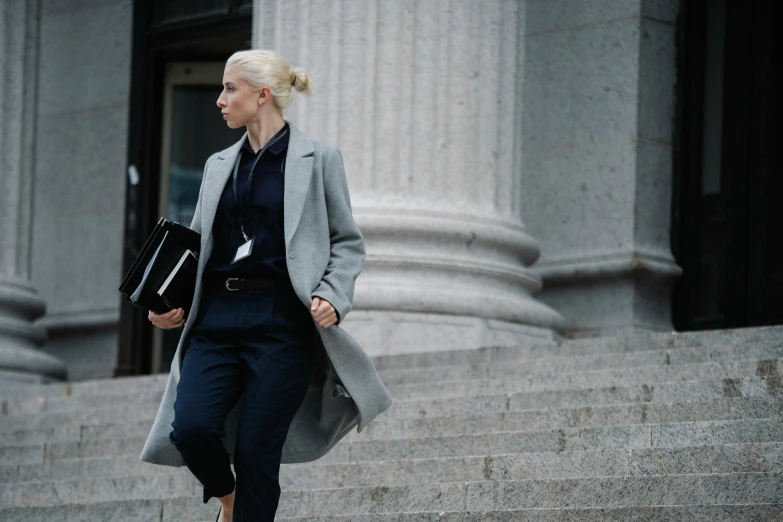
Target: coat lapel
{"type": "Point", "coordinates": [298, 170]}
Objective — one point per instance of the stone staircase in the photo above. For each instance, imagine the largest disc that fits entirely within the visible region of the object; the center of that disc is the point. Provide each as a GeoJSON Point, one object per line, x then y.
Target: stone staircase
{"type": "Point", "coordinates": [659, 427]}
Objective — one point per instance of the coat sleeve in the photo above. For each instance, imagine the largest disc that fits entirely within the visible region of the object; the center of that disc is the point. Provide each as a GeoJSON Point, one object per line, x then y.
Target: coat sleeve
{"type": "Point", "coordinates": [347, 251]}
{"type": "Point", "coordinates": [195, 223]}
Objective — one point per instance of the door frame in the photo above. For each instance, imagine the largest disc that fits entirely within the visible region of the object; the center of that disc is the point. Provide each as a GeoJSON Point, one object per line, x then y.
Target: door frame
{"type": "Point", "coordinates": [152, 50]}
{"type": "Point", "coordinates": [743, 173]}
{"type": "Point", "coordinates": [176, 74]}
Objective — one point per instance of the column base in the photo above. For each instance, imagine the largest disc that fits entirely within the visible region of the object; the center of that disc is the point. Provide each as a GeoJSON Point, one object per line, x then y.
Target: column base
{"type": "Point", "coordinates": [383, 332]}
{"type": "Point", "coordinates": [611, 295]}
{"type": "Point", "coordinates": [20, 359]}
{"type": "Point", "coordinates": [436, 280]}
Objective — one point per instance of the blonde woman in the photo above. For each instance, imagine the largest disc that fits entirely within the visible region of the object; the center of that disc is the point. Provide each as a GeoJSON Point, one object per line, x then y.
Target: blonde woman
{"type": "Point", "coordinates": [263, 373]}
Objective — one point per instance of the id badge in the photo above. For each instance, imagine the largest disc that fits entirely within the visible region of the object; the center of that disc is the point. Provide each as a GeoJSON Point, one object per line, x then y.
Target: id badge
{"type": "Point", "coordinates": [244, 250]}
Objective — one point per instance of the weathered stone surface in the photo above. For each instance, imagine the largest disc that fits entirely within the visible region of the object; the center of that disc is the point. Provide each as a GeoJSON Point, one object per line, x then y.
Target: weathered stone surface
{"type": "Point", "coordinates": [611, 514]}
{"type": "Point", "coordinates": [534, 443]}
{"type": "Point", "coordinates": [81, 136]}
{"type": "Point", "coordinates": [140, 510]}
{"type": "Point", "coordinates": [96, 490]}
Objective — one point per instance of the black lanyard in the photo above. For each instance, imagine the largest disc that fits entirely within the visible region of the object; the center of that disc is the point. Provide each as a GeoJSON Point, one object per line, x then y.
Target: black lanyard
{"type": "Point", "coordinates": [242, 210]}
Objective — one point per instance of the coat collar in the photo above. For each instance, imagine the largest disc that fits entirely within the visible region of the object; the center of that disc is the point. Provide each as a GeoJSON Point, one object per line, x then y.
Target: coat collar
{"type": "Point", "coordinates": [297, 173]}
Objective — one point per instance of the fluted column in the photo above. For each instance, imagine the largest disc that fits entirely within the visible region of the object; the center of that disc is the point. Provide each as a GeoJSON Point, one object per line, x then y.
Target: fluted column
{"type": "Point", "coordinates": [424, 100]}
{"type": "Point", "coordinates": [20, 304]}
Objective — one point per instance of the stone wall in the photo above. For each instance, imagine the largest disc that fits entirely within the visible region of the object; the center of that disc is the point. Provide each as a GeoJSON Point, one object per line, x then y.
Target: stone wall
{"type": "Point", "coordinates": [597, 171]}
{"type": "Point", "coordinates": [80, 158]}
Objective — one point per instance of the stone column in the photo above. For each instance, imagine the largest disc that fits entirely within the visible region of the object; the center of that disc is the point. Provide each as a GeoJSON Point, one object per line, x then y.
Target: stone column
{"type": "Point", "coordinates": [423, 99]}
{"type": "Point", "coordinates": [598, 142]}
{"type": "Point", "coordinates": [20, 305]}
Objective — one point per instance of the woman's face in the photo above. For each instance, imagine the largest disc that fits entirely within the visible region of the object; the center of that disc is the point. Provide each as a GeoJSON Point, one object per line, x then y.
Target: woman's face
{"type": "Point", "coordinates": [239, 102]}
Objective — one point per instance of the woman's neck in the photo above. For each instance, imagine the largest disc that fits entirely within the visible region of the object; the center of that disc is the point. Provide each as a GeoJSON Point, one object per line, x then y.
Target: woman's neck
{"type": "Point", "coordinates": [261, 131]}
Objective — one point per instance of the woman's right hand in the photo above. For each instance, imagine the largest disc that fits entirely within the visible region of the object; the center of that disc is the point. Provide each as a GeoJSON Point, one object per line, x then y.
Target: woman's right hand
{"type": "Point", "coordinates": [173, 319]}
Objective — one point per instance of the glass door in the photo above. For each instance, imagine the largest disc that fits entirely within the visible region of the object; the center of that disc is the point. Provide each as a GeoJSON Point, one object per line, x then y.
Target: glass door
{"type": "Point", "coordinates": [193, 130]}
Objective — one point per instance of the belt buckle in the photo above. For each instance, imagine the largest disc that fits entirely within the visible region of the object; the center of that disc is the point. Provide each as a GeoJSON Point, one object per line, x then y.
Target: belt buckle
{"type": "Point", "coordinates": [228, 287]}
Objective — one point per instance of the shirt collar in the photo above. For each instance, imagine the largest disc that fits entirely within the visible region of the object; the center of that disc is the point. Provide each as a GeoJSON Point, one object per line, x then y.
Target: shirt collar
{"type": "Point", "coordinates": [277, 147]}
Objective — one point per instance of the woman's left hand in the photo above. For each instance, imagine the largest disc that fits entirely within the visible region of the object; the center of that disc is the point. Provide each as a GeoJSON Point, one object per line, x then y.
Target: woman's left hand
{"type": "Point", "coordinates": [323, 312]}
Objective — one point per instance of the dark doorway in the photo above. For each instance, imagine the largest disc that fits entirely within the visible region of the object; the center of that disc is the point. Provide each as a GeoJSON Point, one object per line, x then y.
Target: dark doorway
{"type": "Point", "coordinates": [179, 48]}
{"type": "Point", "coordinates": [725, 212]}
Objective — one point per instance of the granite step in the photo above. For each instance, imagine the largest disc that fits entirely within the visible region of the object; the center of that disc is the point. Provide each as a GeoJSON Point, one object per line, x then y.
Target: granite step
{"type": "Point", "coordinates": [143, 409]}
{"type": "Point", "coordinates": [579, 417]}
{"type": "Point", "coordinates": [579, 364]}
{"type": "Point", "coordinates": [646, 490]}
{"type": "Point", "coordinates": [565, 439]}
{"type": "Point", "coordinates": [137, 510]}
{"type": "Point", "coordinates": [741, 337]}
{"type": "Point", "coordinates": [658, 393]}
{"type": "Point", "coordinates": [727, 458]}
{"type": "Point", "coordinates": [477, 415]}
{"type": "Point", "coordinates": [545, 349]}
{"type": "Point", "coordinates": [650, 490]}
{"type": "Point", "coordinates": [152, 510]}
{"type": "Point", "coordinates": [715, 513]}
{"type": "Point", "coordinates": [113, 391]}
{"type": "Point", "coordinates": [111, 408]}
{"type": "Point", "coordinates": [68, 404]}
{"type": "Point", "coordinates": [724, 489]}
{"type": "Point", "coordinates": [59, 397]}
{"type": "Point", "coordinates": [632, 436]}
{"type": "Point", "coordinates": [661, 392]}
{"type": "Point", "coordinates": [59, 492]}
{"type": "Point", "coordinates": [86, 424]}
{"type": "Point", "coordinates": [119, 386]}
{"type": "Point", "coordinates": [642, 427]}
{"type": "Point", "coordinates": [768, 369]}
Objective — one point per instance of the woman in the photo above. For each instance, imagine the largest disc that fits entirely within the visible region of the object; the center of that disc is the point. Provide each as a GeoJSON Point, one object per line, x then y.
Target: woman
{"type": "Point", "coordinates": [266, 374]}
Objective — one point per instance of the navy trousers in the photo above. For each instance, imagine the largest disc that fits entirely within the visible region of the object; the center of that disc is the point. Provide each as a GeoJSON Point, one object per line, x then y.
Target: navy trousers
{"type": "Point", "coordinates": [252, 341]}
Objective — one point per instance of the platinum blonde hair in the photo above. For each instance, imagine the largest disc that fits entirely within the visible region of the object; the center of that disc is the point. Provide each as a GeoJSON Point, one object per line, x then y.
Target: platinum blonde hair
{"type": "Point", "coordinates": [263, 67]}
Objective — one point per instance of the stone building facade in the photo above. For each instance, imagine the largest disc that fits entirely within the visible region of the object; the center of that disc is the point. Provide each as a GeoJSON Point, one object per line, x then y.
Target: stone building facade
{"type": "Point", "coordinates": [511, 166]}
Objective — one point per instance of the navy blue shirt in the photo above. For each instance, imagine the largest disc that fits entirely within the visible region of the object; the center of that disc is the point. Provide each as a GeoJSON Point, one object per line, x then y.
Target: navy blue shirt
{"type": "Point", "coordinates": [265, 220]}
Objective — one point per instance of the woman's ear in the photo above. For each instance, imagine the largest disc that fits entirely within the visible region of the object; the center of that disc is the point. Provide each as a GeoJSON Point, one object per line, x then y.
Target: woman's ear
{"type": "Point", "coordinates": [263, 94]}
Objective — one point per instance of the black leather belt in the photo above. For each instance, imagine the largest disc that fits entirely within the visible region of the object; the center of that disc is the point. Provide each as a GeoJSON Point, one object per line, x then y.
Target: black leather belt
{"type": "Point", "coordinates": [233, 284]}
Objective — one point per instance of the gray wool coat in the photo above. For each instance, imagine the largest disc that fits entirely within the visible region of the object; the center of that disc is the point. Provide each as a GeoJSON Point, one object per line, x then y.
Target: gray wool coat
{"type": "Point", "coordinates": [325, 255]}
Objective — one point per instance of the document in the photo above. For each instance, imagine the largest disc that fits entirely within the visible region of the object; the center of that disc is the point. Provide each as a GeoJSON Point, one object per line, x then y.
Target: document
{"type": "Point", "coordinates": [135, 296]}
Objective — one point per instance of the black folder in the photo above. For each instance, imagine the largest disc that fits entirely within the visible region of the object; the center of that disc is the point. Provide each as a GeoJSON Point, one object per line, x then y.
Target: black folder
{"type": "Point", "coordinates": [163, 276]}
